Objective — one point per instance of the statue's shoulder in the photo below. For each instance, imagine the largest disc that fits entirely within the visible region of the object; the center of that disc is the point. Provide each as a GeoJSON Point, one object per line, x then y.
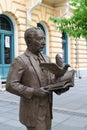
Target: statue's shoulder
{"type": "Point", "coordinates": [22, 59]}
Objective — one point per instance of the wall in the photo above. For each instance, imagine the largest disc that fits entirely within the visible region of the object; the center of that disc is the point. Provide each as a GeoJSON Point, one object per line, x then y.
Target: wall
{"type": "Point", "coordinates": [16, 10]}
{"type": "Point", "coordinates": [42, 14]}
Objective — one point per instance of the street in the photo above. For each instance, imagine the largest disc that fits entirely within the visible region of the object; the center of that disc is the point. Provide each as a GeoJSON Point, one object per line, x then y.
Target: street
{"type": "Point", "coordinates": [69, 109]}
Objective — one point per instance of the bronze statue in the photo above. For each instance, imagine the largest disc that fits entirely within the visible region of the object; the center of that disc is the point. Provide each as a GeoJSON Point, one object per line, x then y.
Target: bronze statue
{"type": "Point", "coordinates": [27, 79]}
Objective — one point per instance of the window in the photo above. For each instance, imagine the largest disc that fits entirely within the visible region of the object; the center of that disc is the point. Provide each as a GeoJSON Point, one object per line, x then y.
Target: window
{"type": "Point", "coordinates": [4, 24]}
{"type": "Point", "coordinates": [42, 28]}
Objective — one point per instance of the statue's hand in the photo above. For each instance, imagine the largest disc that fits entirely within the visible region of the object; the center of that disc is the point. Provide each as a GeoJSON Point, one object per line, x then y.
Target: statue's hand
{"type": "Point", "coordinates": [40, 92]}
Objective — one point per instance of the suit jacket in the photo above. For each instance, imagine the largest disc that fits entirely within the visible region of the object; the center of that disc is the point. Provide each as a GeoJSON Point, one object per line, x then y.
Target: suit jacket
{"type": "Point", "coordinates": [24, 75]}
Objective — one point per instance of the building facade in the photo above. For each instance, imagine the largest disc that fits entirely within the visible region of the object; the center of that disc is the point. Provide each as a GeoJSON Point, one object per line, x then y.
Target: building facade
{"type": "Point", "coordinates": [17, 16]}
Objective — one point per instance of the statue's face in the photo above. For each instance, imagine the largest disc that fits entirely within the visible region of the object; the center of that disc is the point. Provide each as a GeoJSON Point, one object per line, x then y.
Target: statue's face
{"type": "Point", "coordinates": [38, 42]}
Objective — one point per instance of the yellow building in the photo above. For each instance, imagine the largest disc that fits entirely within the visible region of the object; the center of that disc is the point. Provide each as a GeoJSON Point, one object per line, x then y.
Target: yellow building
{"type": "Point", "coordinates": [16, 16]}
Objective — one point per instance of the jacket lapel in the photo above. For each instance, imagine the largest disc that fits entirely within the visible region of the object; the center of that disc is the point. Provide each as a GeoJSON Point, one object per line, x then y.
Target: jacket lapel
{"type": "Point", "coordinates": [34, 65]}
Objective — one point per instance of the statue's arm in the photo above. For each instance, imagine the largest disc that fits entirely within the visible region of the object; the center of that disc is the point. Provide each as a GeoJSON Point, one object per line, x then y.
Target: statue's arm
{"type": "Point", "coordinates": [13, 83]}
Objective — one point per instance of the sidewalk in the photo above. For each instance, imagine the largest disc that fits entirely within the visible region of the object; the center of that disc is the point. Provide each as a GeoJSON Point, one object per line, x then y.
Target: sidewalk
{"type": "Point", "coordinates": [69, 109]}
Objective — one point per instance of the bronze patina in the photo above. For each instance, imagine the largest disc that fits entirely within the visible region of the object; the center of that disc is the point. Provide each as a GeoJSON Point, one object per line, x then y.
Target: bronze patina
{"type": "Point", "coordinates": [35, 85]}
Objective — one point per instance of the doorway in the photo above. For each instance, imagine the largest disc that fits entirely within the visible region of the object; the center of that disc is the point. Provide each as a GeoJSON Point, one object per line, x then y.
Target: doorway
{"type": "Point", "coordinates": [6, 45]}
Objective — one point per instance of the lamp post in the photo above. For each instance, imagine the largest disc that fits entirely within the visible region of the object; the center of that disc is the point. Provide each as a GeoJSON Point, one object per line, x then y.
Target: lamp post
{"type": "Point", "coordinates": [77, 61]}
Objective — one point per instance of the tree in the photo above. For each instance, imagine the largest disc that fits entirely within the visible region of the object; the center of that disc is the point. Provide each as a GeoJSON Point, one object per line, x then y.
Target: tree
{"type": "Point", "coordinates": [76, 25]}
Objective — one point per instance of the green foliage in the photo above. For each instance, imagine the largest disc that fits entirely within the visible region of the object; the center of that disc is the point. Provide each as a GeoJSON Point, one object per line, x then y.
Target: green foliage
{"type": "Point", "coordinates": [76, 25]}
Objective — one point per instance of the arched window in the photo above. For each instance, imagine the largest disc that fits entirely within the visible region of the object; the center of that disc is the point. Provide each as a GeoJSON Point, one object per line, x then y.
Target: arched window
{"type": "Point", "coordinates": [6, 44]}
{"type": "Point", "coordinates": [65, 47]}
{"type": "Point", "coordinates": [41, 26]}
{"type": "Point", "coordinates": [4, 24]}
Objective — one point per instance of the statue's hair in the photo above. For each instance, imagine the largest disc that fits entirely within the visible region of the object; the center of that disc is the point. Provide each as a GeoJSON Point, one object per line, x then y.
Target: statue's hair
{"type": "Point", "coordinates": [30, 33]}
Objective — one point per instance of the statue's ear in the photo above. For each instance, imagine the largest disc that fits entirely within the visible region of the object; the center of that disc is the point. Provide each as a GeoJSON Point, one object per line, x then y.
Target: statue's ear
{"type": "Point", "coordinates": [29, 41]}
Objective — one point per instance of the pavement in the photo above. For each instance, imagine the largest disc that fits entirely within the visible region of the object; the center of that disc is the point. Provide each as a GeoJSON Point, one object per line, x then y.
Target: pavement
{"type": "Point", "coordinates": [69, 109]}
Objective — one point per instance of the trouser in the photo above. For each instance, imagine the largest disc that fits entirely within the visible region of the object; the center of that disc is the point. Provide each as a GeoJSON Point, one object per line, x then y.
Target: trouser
{"type": "Point", "coordinates": [43, 120]}
{"type": "Point", "coordinates": [40, 126]}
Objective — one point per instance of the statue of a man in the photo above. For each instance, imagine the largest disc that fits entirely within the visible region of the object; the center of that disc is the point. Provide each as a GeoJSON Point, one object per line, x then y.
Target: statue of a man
{"type": "Point", "coordinates": [28, 80]}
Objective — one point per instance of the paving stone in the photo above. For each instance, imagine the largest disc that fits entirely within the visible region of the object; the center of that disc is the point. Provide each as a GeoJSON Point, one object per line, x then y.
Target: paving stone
{"type": "Point", "coordinates": [69, 113]}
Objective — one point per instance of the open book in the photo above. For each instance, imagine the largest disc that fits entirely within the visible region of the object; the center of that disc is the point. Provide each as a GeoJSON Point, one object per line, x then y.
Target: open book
{"type": "Point", "coordinates": [63, 82]}
{"type": "Point", "coordinates": [64, 78]}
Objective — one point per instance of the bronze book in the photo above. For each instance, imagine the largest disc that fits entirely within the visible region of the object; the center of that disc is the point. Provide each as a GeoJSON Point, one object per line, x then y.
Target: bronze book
{"type": "Point", "coordinates": [64, 78]}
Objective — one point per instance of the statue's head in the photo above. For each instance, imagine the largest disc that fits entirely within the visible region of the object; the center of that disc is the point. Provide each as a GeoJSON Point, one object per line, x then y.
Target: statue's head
{"type": "Point", "coordinates": [35, 39]}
